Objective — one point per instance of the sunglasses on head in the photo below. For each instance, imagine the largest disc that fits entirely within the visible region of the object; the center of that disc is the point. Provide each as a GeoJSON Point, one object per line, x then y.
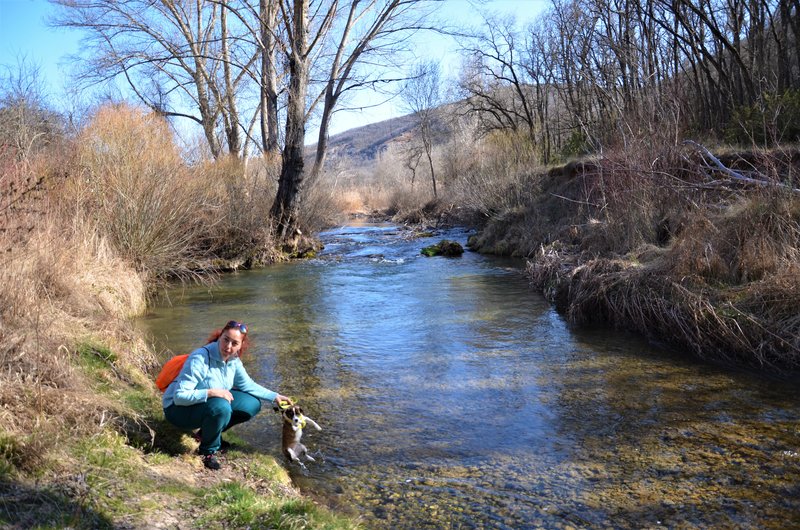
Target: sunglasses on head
{"type": "Point", "coordinates": [237, 325]}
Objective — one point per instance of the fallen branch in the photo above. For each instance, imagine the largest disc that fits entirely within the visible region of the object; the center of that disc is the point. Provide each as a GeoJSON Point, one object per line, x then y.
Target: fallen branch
{"type": "Point", "coordinates": [575, 201]}
{"type": "Point", "coordinates": [734, 174]}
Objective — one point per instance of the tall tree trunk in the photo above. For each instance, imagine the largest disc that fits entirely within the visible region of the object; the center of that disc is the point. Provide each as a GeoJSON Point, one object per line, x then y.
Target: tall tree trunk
{"type": "Point", "coordinates": [324, 125]}
{"type": "Point", "coordinates": [269, 79]}
{"type": "Point", "coordinates": [793, 15]}
{"type": "Point", "coordinates": [230, 112]}
{"type": "Point", "coordinates": [427, 141]}
{"type": "Point", "coordinates": [290, 185]}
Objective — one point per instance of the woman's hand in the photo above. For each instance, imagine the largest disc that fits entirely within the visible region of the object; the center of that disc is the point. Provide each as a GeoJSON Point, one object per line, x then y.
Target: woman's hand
{"type": "Point", "coordinates": [280, 398]}
{"type": "Point", "coordinates": [220, 393]}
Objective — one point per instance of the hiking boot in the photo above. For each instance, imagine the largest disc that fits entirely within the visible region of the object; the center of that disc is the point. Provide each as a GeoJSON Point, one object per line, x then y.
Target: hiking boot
{"type": "Point", "coordinates": [211, 462]}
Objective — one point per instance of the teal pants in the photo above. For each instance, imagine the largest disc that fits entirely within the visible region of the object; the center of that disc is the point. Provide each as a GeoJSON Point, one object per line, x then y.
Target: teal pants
{"type": "Point", "coordinates": [213, 417]}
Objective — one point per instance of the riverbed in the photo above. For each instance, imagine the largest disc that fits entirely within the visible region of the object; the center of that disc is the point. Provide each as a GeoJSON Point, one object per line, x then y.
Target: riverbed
{"type": "Point", "coordinates": [452, 395]}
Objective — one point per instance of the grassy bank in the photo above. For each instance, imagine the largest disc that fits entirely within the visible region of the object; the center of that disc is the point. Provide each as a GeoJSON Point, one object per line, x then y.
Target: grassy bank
{"type": "Point", "coordinates": [674, 243]}
{"type": "Point", "coordinates": [89, 229]}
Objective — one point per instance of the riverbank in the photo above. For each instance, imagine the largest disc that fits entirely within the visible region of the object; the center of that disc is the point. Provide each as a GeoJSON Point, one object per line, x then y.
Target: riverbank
{"type": "Point", "coordinates": [678, 250]}
{"type": "Point", "coordinates": [83, 442]}
{"type": "Point", "coordinates": [89, 230]}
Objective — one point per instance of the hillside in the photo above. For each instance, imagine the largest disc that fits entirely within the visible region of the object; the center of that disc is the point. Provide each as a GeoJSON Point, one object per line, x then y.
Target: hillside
{"type": "Point", "coordinates": [360, 146]}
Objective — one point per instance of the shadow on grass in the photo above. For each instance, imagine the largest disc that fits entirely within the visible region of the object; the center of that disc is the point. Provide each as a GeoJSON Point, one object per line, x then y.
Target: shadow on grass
{"type": "Point", "coordinates": [51, 506]}
{"type": "Point", "coordinates": [149, 431]}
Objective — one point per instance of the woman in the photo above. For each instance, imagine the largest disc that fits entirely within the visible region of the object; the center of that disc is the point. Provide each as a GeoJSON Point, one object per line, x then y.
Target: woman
{"type": "Point", "coordinates": [213, 391]}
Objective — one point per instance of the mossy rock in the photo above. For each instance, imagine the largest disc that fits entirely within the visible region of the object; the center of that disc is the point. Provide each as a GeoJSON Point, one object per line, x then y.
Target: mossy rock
{"type": "Point", "coordinates": [445, 247]}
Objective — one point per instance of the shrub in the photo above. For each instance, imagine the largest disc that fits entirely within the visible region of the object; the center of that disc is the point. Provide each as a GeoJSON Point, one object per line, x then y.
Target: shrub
{"type": "Point", "coordinates": [135, 186]}
{"type": "Point", "coordinates": [775, 118]}
{"type": "Point", "coordinates": [236, 224]}
{"type": "Point", "coordinates": [321, 208]}
{"type": "Point", "coordinates": [503, 179]}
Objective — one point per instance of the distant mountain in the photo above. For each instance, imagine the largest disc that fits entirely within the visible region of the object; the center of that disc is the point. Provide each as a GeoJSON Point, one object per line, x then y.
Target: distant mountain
{"type": "Point", "coordinates": [361, 146]}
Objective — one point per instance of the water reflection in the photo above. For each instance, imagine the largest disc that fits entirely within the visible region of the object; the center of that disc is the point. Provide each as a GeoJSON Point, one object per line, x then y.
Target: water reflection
{"type": "Point", "coordinates": [452, 396]}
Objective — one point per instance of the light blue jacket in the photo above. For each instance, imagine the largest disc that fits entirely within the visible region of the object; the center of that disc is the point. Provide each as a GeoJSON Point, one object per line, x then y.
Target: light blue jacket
{"type": "Point", "coordinates": [205, 369]}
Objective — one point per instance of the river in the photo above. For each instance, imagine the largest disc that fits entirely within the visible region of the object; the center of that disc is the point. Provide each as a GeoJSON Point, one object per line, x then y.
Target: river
{"type": "Point", "coordinates": [451, 395]}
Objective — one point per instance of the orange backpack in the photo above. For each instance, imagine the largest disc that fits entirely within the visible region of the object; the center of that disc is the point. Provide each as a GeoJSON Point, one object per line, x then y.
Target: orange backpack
{"type": "Point", "coordinates": [173, 367]}
{"type": "Point", "coordinates": [170, 371]}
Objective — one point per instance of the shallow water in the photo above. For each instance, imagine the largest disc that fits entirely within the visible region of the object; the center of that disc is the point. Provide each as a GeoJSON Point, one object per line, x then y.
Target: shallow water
{"type": "Point", "coordinates": [451, 395]}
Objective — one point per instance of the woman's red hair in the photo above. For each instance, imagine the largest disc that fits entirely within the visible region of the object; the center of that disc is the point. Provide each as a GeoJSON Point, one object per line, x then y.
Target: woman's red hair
{"type": "Point", "coordinates": [217, 333]}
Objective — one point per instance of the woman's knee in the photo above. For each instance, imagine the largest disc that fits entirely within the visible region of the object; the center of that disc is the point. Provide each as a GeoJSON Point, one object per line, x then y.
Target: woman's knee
{"type": "Point", "coordinates": [245, 403]}
{"type": "Point", "coordinates": [219, 407]}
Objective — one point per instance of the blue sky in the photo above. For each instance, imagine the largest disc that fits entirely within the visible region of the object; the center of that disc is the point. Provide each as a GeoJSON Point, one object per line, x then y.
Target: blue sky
{"type": "Point", "coordinates": [24, 34]}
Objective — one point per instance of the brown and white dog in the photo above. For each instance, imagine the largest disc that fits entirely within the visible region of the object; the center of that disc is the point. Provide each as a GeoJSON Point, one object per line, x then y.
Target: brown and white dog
{"type": "Point", "coordinates": [294, 421]}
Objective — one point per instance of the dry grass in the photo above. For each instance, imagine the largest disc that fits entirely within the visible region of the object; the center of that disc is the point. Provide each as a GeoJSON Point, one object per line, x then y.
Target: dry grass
{"type": "Point", "coordinates": [58, 289]}
{"type": "Point", "coordinates": [723, 284]}
{"type": "Point", "coordinates": [755, 325]}
{"type": "Point", "coordinates": [756, 237]}
{"type": "Point", "coordinates": [354, 201]}
{"type": "Point", "coordinates": [134, 184]}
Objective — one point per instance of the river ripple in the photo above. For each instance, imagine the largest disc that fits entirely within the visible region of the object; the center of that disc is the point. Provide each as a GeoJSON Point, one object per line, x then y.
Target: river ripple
{"type": "Point", "coordinates": [453, 396]}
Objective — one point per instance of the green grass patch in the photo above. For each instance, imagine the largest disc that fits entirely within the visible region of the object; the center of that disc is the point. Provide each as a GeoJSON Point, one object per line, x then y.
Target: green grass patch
{"type": "Point", "coordinates": [118, 484]}
{"type": "Point", "coordinates": [143, 401]}
{"type": "Point", "coordinates": [97, 361]}
{"type": "Point", "coordinates": [238, 506]}
{"type": "Point", "coordinates": [96, 356]}
{"type": "Point", "coordinates": [266, 468]}
{"type": "Point", "coordinates": [11, 454]}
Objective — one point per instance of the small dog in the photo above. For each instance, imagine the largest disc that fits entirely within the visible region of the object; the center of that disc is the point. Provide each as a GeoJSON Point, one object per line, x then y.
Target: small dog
{"type": "Point", "coordinates": [294, 421]}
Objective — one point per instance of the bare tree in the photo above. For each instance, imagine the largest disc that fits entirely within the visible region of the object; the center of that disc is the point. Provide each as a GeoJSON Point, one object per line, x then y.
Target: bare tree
{"type": "Point", "coordinates": [263, 33]}
{"type": "Point", "coordinates": [370, 33]}
{"type": "Point", "coordinates": [411, 156]}
{"type": "Point", "coordinates": [295, 19]}
{"type": "Point", "coordinates": [336, 37]}
{"type": "Point", "coordinates": [497, 85]}
{"type": "Point", "coordinates": [596, 72]}
{"type": "Point", "coordinates": [26, 123]}
{"type": "Point", "coordinates": [182, 59]}
{"type": "Point", "coordinates": [422, 96]}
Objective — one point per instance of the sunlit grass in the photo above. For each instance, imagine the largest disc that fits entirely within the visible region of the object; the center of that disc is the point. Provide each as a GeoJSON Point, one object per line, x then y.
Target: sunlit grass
{"type": "Point", "coordinates": [241, 507]}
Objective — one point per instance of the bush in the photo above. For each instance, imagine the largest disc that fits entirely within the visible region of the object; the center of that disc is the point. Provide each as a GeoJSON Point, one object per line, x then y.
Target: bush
{"type": "Point", "coordinates": [236, 225]}
{"type": "Point", "coordinates": [135, 186]}
{"type": "Point", "coordinates": [774, 119]}
{"type": "Point", "coordinates": [503, 179]}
